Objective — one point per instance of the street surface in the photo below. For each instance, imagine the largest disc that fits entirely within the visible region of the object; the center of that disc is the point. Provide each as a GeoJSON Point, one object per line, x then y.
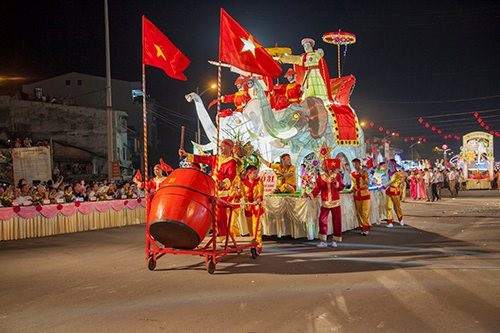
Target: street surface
{"type": "Point", "coordinates": [438, 273]}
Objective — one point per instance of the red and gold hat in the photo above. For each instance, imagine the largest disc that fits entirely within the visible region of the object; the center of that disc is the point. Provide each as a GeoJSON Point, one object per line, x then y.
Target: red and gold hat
{"type": "Point", "coordinates": [227, 142]}
{"type": "Point", "coordinates": [240, 80]}
{"type": "Point", "coordinates": [290, 72]}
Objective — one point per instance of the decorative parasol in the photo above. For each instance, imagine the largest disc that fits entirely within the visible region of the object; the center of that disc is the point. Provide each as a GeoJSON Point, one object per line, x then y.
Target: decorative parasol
{"type": "Point", "coordinates": [278, 51]}
{"type": "Point", "coordinates": [339, 38]}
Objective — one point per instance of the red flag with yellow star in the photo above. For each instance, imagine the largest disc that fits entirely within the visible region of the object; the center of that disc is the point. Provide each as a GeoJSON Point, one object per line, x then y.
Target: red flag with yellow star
{"type": "Point", "coordinates": [159, 51]}
{"type": "Point", "coordinates": [239, 48]}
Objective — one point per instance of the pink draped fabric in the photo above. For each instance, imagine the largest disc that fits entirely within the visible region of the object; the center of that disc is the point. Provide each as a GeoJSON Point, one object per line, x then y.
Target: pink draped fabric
{"type": "Point", "coordinates": [413, 187]}
{"type": "Point", "coordinates": [68, 209]}
{"type": "Point", "coordinates": [421, 195]}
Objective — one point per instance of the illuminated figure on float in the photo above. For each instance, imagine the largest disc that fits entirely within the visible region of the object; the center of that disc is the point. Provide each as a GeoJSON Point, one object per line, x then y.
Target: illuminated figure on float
{"type": "Point", "coordinates": [324, 117]}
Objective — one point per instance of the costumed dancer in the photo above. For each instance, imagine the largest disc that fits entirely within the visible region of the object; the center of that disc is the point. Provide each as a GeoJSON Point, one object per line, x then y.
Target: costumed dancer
{"type": "Point", "coordinates": [161, 171]}
{"type": "Point", "coordinates": [239, 98]}
{"type": "Point", "coordinates": [392, 192]}
{"type": "Point", "coordinates": [312, 72]}
{"type": "Point", "coordinates": [292, 92]}
{"type": "Point", "coordinates": [285, 171]}
{"type": "Point", "coordinates": [224, 173]}
{"type": "Point", "coordinates": [382, 177]}
{"type": "Point", "coordinates": [329, 184]}
{"type": "Point", "coordinates": [360, 181]}
{"type": "Point", "coordinates": [253, 194]}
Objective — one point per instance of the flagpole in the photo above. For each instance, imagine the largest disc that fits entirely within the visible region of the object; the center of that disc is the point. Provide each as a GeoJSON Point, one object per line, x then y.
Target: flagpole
{"type": "Point", "coordinates": [109, 108]}
{"type": "Point", "coordinates": [144, 115]}
{"type": "Point", "coordinates": [145, 141]}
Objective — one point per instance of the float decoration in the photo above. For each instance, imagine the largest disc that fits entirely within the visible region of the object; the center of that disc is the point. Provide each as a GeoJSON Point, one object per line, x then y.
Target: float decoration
{"type": "Point", "coordinates": [339, 38]}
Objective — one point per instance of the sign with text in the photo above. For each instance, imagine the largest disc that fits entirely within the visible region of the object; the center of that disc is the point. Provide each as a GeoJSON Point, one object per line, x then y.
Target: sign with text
{"type": "Point", "coordinates": [269, 179]}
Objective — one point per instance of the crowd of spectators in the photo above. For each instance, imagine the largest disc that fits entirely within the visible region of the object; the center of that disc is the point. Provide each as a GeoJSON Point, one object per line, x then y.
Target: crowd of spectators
{"type": "Point", "coordinates": [59, 192]}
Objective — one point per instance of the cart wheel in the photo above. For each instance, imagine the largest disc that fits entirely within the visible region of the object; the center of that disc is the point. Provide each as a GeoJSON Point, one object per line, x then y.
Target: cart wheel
{"type": "Point", "coordinates": [151, 264]}
{"type": "Point", "coordinates": [254, 253]}
{"type": "Point", "coordinates": [210, 266]}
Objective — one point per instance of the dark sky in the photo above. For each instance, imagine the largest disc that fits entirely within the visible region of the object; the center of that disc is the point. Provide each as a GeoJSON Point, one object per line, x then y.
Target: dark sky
{"type": "Point", "coordinates": [436, 59]}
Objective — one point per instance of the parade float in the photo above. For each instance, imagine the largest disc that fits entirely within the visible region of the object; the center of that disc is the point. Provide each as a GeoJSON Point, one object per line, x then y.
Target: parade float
{"type": "Point", "coordinates": [478, 160]}
{"type": "Point", "coordinates": [318, 127]}
{"type": "Point", "coordinates": [262, 124]}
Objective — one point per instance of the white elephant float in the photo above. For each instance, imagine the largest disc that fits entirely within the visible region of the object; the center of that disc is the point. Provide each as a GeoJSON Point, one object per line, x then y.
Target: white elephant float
{"type": "Point", "coordinates": [298, 130]}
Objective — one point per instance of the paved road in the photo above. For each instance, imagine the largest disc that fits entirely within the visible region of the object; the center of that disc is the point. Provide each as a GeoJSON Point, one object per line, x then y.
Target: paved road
{"type": "Point", "coordinates": [439, 273]}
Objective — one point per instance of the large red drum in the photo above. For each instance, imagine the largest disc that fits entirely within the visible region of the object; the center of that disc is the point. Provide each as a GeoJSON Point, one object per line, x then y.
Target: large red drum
{"type": "Point", "coordinates": [182, 209]}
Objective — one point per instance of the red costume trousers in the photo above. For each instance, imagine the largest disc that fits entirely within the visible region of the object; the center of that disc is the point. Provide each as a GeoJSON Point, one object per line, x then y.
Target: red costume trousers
{"type": "Point", "coordinates": [336, 221]}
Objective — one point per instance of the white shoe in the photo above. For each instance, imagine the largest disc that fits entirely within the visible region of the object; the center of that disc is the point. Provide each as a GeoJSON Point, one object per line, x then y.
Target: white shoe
{"type": "Point", "coordinates": [322, 244]}
{"type": "Point", "coordinates": [402, 223]}
{"type": "Point", "coordinates": [366, 233]}
{"type": "Point", "coordinates": [390, 225]}
{"type": "Point", "coordinates": [334, 244]}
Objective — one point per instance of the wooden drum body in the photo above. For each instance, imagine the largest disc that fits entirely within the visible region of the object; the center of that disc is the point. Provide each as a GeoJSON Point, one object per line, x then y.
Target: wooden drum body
{"type": "Point", "coordinates": [182, 209]}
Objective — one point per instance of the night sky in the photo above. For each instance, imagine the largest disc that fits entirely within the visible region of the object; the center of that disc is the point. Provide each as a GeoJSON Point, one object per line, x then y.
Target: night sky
{"type": "Point", "coordinates": [435, 59]}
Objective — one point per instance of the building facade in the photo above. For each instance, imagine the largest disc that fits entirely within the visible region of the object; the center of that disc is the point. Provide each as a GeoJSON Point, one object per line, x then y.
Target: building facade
{"type": "Point", "coordinates": [69, 112]}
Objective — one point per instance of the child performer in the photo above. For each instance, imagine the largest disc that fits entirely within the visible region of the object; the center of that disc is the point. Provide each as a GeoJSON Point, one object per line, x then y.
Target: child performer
{"type": "Point", "coordinates": [329, 183]}
{"type": "Point", "coordinates": [253, 194]}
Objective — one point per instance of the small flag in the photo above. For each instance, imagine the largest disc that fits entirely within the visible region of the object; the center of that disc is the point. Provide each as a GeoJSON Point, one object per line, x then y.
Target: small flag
{"type": "Point", "coordinates": [159, 51]}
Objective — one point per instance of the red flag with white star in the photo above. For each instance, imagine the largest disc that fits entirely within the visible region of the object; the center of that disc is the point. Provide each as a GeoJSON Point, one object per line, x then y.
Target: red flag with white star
{"type": "Point", "coordinates": [239, 48]}
{"type": "Point", "coordinates": [159, 51]}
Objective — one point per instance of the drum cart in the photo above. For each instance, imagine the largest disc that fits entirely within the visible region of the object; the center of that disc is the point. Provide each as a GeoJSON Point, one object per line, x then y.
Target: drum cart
{"type": "Point", "coordinates": [181, 213]}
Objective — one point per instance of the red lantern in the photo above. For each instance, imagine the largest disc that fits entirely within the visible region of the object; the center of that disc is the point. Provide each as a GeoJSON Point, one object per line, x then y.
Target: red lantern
{"type": "Point", "coordinates": [427, 125]}
{"type": "Point", "coordinates": [420, 120]}
{"type": "Point", "coordinates": [439, 131]}
{"type": "Point", "coordinates": [476, 114]}
{"type": "Point", "coordinates": [380, 128]}
{"type": "Point", "coordinates": [372, 124]}
{"type": "Point", "coordinates": [406, 139]}
{"type": "Point", "coordinates": [387, 132]}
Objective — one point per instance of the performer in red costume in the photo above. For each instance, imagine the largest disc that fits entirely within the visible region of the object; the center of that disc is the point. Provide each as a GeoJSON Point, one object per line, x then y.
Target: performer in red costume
{"type": "Point", "coordinates": [290, 94]}
{"type": "Point", "coordinates": [151, 186]}
{"type": "Point", "coordinates": [239, 98]}
{"type": "Point", "coordinates": [329, 184]}
{"type": "Point", "coordinates": [224, 173]}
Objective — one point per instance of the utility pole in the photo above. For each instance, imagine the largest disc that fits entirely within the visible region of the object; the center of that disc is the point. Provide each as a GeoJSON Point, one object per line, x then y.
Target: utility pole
{"type": "Point", "coordinates": [109, 108]}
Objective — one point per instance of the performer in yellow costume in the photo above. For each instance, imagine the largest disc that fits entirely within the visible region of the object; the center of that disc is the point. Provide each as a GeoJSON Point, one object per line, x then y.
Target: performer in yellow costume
{"type": "Point", "coordinates": [359, 186]}
{"type": "Point", "coordinates": [287, 179]}
{"type": "Point", "coordinates": [253, 194]}
{"type": "Point", "coordinates": [392, 192]}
